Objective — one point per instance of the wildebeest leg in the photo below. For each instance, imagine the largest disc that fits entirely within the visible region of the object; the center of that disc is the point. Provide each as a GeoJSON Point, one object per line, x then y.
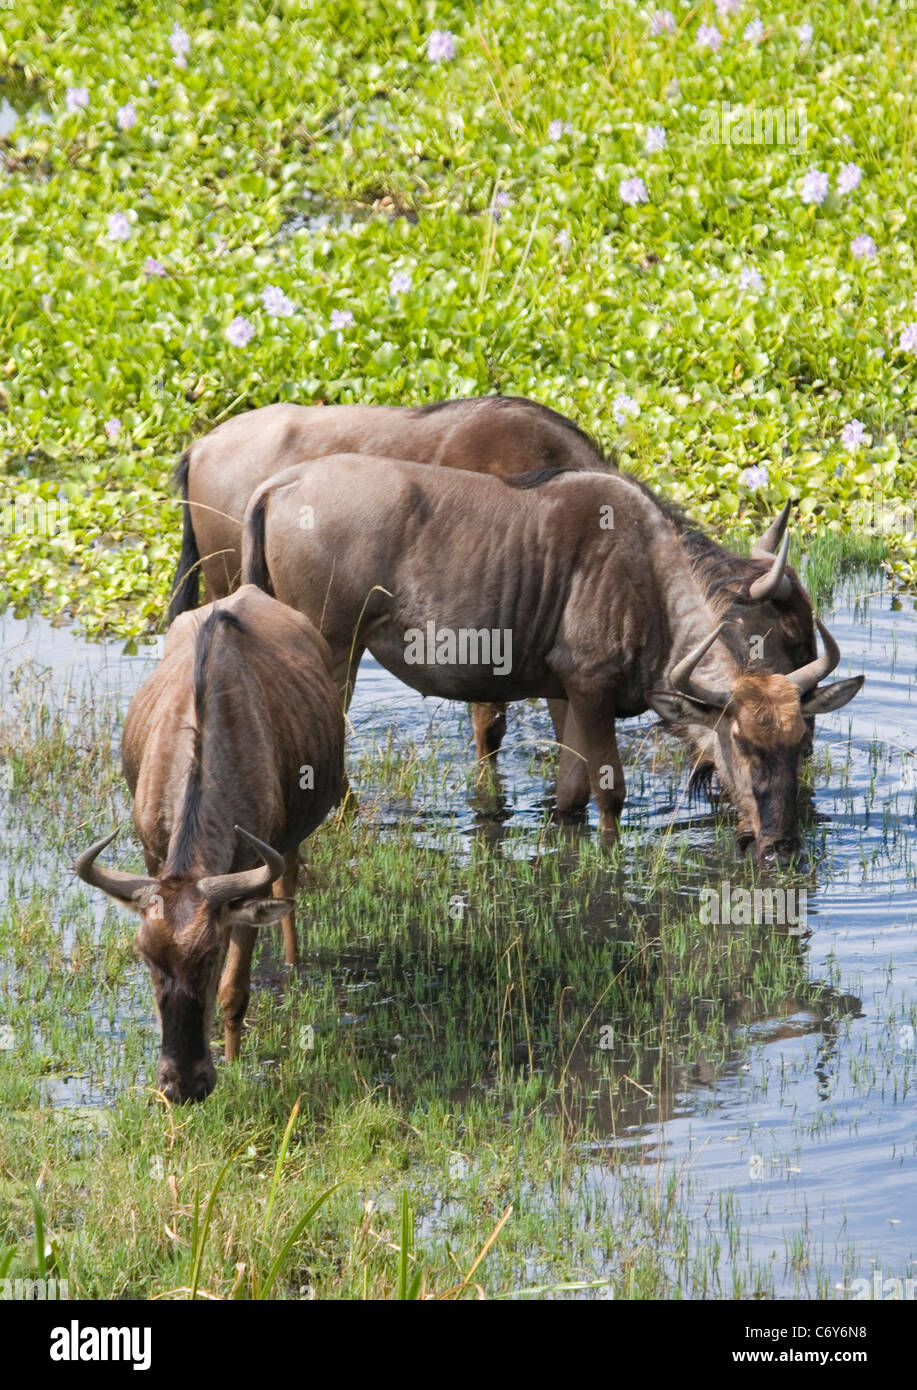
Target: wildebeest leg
{"type": "Point", "coordinates": [557, 709]}
{"type": "Point", "coordinates": [578, 794]}
{"type": "Point", "coordinates": [489, 725]}
{"type": "Point", "coordinates": [285, 887]}
{"type": "Point", "coordinates": [235, 986]}
{"type": "Point", "coordinates": [590, 743]}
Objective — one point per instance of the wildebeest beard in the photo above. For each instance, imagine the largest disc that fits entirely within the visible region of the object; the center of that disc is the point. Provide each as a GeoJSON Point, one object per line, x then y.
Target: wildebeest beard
{"type": "Point", "coordinates": [182, 1014]}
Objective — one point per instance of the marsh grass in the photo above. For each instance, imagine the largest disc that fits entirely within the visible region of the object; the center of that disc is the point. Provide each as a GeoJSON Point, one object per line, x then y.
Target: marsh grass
{"type": "Point", "coordinates": [459, 1094]}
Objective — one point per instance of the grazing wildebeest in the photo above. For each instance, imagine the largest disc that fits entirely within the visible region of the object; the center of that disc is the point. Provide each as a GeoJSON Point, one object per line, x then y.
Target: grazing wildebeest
{"type": "Point", "coordinates": [217, 475]}
{"type": "Point", "coordinates": [607, 597]}
{"type": "Point", "coordinates": [233, 750]}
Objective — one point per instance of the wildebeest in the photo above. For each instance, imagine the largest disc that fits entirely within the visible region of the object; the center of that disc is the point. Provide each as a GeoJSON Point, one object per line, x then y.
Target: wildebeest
{"type": "Point", "coordinates": [608, 597]}
{"type": "Point", "coordinates": [217, 475]}
{"type": "Point", "coordinates": [233, 750]}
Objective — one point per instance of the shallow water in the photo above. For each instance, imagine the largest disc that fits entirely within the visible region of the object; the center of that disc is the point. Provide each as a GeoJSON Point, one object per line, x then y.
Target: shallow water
{"type": "Point", "coordinates": [811, 1128]}
{"type": "Point", "coordinates": [813, 1135]}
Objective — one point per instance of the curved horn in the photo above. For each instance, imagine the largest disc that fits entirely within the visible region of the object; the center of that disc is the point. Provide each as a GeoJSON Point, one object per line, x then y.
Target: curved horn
{"type": "Point", "coordinates": [774, 584]}
{"type": "Point", "coordinates": [681, 675]}
{"type": "Point", "coordinates": [248, 883]}
{"type": "Point", "coordinates": [115, 882]}
{"type": "Point", "coordinates": [767, 545]}
{"type": "Point", "coordinates": [807, 677]}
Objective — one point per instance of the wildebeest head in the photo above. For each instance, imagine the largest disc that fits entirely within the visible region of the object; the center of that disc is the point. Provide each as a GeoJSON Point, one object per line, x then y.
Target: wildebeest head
{"type": "Point", "coordinates": [753, 731]}
{"type": "Point", "coordinates": [185, 926]}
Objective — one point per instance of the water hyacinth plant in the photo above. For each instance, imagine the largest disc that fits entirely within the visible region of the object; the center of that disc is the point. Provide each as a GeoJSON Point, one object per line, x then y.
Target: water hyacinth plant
{"type": "Point", "coordinates": [204, 199]}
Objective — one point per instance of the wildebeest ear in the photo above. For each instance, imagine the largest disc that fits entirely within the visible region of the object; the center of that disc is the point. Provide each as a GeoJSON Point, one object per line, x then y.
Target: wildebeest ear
{"type": "Point", "coordinates": [678, 709]}
{"type": "Point", "coordinates": [260, 913]}
{"type": "Point", "coordinates": [832, 696]}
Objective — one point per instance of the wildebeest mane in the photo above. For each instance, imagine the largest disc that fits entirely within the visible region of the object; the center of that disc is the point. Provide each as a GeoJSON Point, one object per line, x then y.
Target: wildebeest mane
{"type": "Point", "coordinates": [181, 853]}
{"type": "Point", "coordinates": [725, 576]}
{"type": "Point", "coordinates": [726, 579]}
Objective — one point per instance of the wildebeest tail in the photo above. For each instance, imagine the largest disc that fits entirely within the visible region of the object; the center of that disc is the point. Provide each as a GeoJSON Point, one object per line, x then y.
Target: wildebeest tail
{"type": "Point", "coordinates": [186, 585]}
{"type": "Point", "coordinates": [254, 560]}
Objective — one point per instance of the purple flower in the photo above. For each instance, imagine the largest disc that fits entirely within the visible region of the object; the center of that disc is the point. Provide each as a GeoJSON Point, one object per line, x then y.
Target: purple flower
{"type": "Point", "coordinates": [240, 332]}
{"type": "Point", "coordinates": [624, 407]}
{"type": "Point", "coordinates": [853, 435]}
{"type": "Point", "coordinates": [76, 99]}
{"type": "Point", "coordinates": [341, 318]}
{"type": "Point", "coordinates": [126, 116]}
{"type": "Point", "coordinates": [113, 429]}
{"type": "Point", "coordinates": [754, 477]}
{"type": "Point", "coordinates": [497, 203]}
{"type": "Point", "coordinates": [814, 187]}
{"type": "Point", "coordinates": [804, 35]}
{"type": "Point", "coordinates": [750, 279]}
{"type": "Point", "coordinates": [276, 303]}
{"type": "Point", "coordinates": [727, 7]}
{"type": "Point", "coordinates": [754, 31]}
{"type": "Point", "coordinates": [563, 239]}
{"type": "Point", "coordinates": [119, 228]}
{"type": "Point", "coordinates": [558, 128]}
{"type": "Point", "coordinates": [655, 139]}
{"type": "Point", "coordinates": [154, 269]}
{"type": "Point", "coordinates": [441, 46]}
{"type": "Point", "coordinates": [633, 191]}
{"type": "Point", "coordinates": [849, 178]}
{"type": "Point", "coordinates": [180, 44]}
{"type": "Point", "coordinates": [908, 340]}
{"type": "Point", "coordinates": [708, 36]}
{"type": "Point", "coordinates": [400, 283]}
{"type": "Point", "coordinates": [662, 22]}
{"type": "Point", "coordinates": [863, 248]}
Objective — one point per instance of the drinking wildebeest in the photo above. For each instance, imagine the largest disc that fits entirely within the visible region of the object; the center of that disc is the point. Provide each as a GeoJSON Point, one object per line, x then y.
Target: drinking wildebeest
{"type": "Point", "coordinates": [606, 596]}
{"type": "Point", "coordinates": [233, 750]}
{"type": "Point", "coordinates": [490, 434]}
